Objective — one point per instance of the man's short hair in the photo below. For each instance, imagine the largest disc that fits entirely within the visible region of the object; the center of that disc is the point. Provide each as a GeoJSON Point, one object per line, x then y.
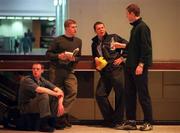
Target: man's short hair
{"type": "Point", "coordinates": [133, 8]}
{"type": "Point", "coordinates": [97, 23]}
{"type": "Point", "coordinates": [69, 22]}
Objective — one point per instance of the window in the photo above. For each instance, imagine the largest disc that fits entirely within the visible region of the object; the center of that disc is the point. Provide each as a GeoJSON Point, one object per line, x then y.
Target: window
{"type": "Point", "coordinates": [16, 40]}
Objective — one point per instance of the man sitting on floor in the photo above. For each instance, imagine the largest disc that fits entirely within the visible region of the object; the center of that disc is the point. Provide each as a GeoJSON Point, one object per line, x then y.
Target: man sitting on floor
{"type": "Point", "coordinates": [38, 95]}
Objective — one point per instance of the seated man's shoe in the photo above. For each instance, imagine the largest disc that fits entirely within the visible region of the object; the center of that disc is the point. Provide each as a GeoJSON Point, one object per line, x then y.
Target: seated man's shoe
{"type": "Point", "coordinates": [146, 127]}
{"type": "Point", "coordinates": [59, 126]}
{"type": "Point", "coordinates": [46, 129]}
{"type": "Point", "coordinates": [44, 125]}
{"type": "Point", "coordinates": [130, 125]}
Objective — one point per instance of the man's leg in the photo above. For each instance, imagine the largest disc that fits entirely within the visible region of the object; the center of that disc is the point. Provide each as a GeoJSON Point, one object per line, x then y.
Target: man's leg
{"type": "Point", "coordinates": [102, 92]}
{"type": "Point", "coordinates": [145, 100]}
{"type": "Point", "coordinates": [70, 93]}
{"type": "Point", "coordinates": [54, 109]}
{"type": "Point", "coordinates": [130, 99]}
{"type": "Point", "coordinates": [40, 104]}
{"type": "Point", "coordinates": [118, 85]}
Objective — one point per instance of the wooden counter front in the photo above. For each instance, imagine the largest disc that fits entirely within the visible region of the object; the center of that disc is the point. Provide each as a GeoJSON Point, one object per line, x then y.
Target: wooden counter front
{"type": "Point", "coordinates": [24, 63]}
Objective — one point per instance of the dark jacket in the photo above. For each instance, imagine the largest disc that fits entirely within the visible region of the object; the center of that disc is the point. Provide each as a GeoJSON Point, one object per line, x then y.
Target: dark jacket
{"type": "Point", "coordinates": [108, 54]}
{"type": "Point", "coordinates": [140, 45]}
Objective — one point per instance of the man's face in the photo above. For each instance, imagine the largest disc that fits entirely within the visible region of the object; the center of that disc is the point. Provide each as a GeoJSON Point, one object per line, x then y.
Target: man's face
{"type": "Point", "coordinates": [37, 70]}
{"type": "Point", "coordinates": [100, 30]}
{"type": "Point", "coordinates": [71, 30]}
{"type": "Point", "coordinates": [131, 17]}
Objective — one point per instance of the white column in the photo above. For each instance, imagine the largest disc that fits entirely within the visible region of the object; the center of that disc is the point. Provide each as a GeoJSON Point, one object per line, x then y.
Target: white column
{"type": "Point", "coordinates": [61, 15]}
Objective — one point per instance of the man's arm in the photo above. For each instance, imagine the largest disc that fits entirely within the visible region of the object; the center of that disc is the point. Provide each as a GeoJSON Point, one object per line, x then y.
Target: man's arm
{"type": "Point", "coordinates": [119, 42]}
{"type": "Point", "coordinates": [60, 101]}
{"type": "Point", "coordinates": [58, 93]}
{"type": "Point", "coordinates": [145, 45]}
{"type": "Point", "coordinates": [58, 90]}
{"type": "Point", "coordinates": [52, 52]}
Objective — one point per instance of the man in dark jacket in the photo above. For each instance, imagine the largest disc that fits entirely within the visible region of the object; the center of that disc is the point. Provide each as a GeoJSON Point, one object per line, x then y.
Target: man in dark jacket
{"type": "Point", "coordinates": [112, 74]}
{"type": "Point", "coordinates": [136, 73]}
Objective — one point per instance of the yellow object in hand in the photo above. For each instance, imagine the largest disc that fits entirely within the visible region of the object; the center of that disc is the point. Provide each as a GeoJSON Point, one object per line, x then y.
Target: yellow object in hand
{"type": "Point", "coordinates": [102, 64]}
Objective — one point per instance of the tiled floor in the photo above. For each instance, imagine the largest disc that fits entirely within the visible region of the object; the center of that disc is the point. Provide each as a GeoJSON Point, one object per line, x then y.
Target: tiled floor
{"type": "Point", "coordinates": [97, 129]}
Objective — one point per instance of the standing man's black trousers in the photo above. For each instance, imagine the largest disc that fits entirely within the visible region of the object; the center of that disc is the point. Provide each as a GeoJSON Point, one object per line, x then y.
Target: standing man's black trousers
{"type": "Point", "coordinates": [137, 85]}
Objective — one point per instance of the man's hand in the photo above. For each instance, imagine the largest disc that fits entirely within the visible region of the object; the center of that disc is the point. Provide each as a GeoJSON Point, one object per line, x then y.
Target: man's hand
{"type": "Point", "coordinates": [60, 107]}
{"type": "Point", "coordinates": [70, 56]}
{"type": "Point", "coordinates": [139, 70]}
{"type": "Point", "coordinates": [97, 62]}
{"type": "Point", "coordinates": [117, 45]}
{"type": "Point", "coordinates": [66, 56]}
{"type": "Point", "coordinates": [118, 61]}
{"type": "Point", "coordinates": [100, 63]}
{"type": "Point", "coordinates": [59, 92]}
{"type": "Point", "coordinates": [62, 56]}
